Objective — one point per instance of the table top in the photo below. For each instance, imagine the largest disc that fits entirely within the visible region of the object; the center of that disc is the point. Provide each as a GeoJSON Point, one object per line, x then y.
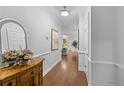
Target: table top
{"type": "Point", "coordinates": [13, 70]}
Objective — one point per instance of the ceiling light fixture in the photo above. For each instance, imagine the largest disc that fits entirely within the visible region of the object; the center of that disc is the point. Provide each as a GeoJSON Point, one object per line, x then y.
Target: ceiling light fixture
{"type": "Point", "coordinates": [64, 12]}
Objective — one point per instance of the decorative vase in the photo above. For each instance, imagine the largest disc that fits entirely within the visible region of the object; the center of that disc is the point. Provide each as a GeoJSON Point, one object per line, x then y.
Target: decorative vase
{"type": "Point", "coordinates": [23, 62]}
{"type": "Point", "coordinates": [10, 63]}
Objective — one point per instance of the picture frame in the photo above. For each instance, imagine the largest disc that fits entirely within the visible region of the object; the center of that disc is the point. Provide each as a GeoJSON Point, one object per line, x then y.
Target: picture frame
{"type": "Point", "coordinates": [54, 39]}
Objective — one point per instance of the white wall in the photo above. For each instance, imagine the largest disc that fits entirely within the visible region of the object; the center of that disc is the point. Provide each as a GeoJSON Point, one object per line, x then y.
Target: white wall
{"type": "Point", "coordinates": [120, 35]}
{"type": "Point", "coordinates": [103, 74]}
{"type": "Point", "coordinates": [38, 22]}
{"type": "Point", "coordinates": [107, 45]}
{"type": "Point", "coordinates": [120, 45]}
{"type": "Point", "coordinates": [103, 33]}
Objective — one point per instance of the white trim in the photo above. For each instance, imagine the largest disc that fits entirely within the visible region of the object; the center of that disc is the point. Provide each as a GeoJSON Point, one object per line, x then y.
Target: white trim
{"type": "Point", "coordinates": [120, 66]}
{"type": "Point", "coordinates": [42, 54]}
{"type": "Point", "coordinates": [6, 18]}
{"type": "Point", "coordinates": [46, 53]}
{"type": "Point", "coordinates": [83, 68]}
{"type": "Point", "coordinates": [103, 62]}
{"type": "Point", "coordinates": [51, 67]}
{"type": "Point", "coordinates": [103, 84]}
{"type": "Point", "coordinates": [82, 52]}
{"type": "Point", "coordinates": [85, 53]}
{"type": "Point", "coordinates": [108, 63]}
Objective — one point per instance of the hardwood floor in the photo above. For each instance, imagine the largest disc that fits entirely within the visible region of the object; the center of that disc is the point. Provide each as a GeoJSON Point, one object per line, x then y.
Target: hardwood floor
{"type": "Point", "coordinates": [66, 73]}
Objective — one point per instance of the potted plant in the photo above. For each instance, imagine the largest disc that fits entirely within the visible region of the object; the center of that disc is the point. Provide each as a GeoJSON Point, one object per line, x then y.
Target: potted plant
{"type": "Point", "coordinates": [75, 44]}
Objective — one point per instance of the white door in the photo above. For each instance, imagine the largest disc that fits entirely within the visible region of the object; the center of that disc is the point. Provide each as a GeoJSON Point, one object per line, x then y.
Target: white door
{"type": "Point", "coordinates": [84, 43]}
{"type": "Point", "coordinates": [86, 32]}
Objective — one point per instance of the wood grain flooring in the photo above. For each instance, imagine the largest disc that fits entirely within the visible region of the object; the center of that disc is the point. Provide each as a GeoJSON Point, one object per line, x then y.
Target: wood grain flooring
{"type": "Point", "coordinates": [66, 73]}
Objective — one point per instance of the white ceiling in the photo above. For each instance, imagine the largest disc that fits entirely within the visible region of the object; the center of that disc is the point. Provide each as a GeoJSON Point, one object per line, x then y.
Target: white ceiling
{"type": "Point", "coordinates": [72, 18]}
{"type": "Point", "coordinates": [70, 22]}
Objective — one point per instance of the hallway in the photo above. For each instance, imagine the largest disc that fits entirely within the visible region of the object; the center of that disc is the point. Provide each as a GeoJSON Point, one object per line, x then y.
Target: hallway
{"type": "Point", "coordinates": [65, 73]}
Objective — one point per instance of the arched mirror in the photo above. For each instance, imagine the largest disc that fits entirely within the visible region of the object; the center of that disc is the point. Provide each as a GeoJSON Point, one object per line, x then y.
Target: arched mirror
{"type": "Point", "coordinates": [13, 35]}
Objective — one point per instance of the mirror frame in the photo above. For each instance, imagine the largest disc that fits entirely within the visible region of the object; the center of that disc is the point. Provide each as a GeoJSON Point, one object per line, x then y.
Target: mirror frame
{"type": "Point", "coordinates": [11, 20]}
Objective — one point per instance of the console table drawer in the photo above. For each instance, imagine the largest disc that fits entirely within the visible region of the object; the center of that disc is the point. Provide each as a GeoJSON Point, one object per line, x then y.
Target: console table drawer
{"type": "Point", "coordinates": [24, 77]}
{"type": "Point", "coordinates": [28, 75]}
{"type": "Point", "coordinates": [10, 82]}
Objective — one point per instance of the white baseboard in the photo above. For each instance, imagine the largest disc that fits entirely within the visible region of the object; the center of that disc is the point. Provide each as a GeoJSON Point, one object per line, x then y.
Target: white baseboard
{"type": "Point", "coordinates": [89, 83]}
{"type": "Point", "coordinates": [51, 67]}
{"type": "Point", "coordinates": [102, 84]}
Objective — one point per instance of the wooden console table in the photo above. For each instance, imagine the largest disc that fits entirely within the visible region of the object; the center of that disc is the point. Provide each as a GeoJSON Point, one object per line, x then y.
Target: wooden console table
{"type": "Point", "coordinates": [28, 75]}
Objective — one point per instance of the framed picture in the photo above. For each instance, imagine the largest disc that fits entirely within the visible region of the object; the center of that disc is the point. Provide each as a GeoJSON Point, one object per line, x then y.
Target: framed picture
{"type": "Point", "coordinates": [54, 39]}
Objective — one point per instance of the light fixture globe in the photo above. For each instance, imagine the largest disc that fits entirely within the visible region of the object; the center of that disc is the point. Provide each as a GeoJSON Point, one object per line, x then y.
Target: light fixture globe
{"type": "Point", "coordinates": [64, 12]}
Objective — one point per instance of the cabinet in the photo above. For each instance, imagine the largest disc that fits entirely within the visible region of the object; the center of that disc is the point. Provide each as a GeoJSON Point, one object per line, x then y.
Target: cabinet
{"type": "Point", "coordinates": [28, 75]}
{"type": "Point", "coordinates": [9, 82]}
